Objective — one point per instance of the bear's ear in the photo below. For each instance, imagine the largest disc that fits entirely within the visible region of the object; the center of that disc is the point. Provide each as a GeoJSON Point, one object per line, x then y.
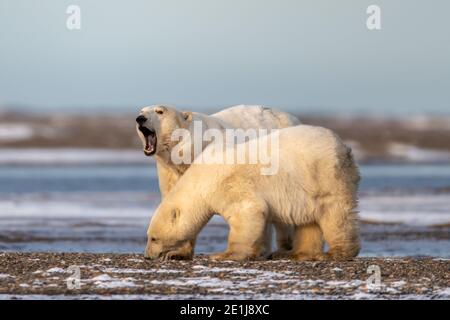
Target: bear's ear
{"type": "Point", "coordinates": [175, 214]}
{"type": "Point", "coordinates": [160, 109]}
{"type": "Point", "coordinates": [187, 116]}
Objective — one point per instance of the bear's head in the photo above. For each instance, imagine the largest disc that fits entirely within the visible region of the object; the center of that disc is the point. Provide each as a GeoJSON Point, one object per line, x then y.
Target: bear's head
{"type": "Point", "coordinates": [168, 237]}
{"type": "Point", "coordinates": [155, 125]}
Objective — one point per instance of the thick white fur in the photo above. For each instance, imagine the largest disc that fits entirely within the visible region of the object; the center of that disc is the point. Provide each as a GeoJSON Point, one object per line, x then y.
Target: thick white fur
{"type": "Point", "coordinates": [166, 119]}
{"type": "Point", "coordinates": [314, 191]}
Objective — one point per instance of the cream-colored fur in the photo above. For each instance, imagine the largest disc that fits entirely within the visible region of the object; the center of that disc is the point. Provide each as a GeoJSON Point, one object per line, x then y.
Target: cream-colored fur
{"type": "Point", "coordinates": [165, 120]}
{"type": "Point", "coordinates": [314, 191]}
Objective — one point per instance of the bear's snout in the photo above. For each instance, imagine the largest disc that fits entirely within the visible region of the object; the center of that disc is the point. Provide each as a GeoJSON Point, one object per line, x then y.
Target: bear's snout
{"type": "Point", "coordinates": [141, 120]}
{"type": "Point", "coordinates": [147, 255]}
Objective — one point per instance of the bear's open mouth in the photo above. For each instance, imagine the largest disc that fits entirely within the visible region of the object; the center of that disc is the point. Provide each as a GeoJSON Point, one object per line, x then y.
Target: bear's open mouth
{"type": "Point", "coordinates": [150, 140]}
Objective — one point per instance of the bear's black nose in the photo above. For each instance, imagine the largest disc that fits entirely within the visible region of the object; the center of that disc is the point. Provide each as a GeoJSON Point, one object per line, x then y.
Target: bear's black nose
{"type": "Point", "coordinates": [141, 119]}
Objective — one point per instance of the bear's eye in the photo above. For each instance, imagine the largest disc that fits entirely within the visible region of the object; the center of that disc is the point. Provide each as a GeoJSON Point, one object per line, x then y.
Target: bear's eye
{"type": "Point", "coordinates": [153, 239]}
{"type": "Point", "coordinates": [159, 111]}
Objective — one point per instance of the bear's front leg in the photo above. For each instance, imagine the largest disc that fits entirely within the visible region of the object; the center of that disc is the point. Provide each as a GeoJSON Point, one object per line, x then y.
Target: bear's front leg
{"type": "Point", "coordinates": [246, 237]}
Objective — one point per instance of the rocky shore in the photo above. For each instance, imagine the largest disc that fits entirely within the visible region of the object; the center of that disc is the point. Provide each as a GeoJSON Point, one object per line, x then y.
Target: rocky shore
{"type": "Point", "coordinates": [118, 276]}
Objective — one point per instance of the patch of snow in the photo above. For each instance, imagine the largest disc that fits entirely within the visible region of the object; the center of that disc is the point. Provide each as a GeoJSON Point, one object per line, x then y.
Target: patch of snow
{"type": "Point", "coordinates": [238, 271]}
{"type": "Point", "coordinates": [143, 271]}
{"type": "Point", "coordinates": [60, 208]}
{"type": "Point", "coordinates": [444, 292]}
{"type": "Point", "coordinates": [4, 276]}
{"type": "Point", "coordinates": [105, 281]}
{"type": "Point", "coordinates": [421, 210]}
{"type": "Point", "coordinates": [214, 269]}
{"type": "Point", "coordinates": [345, 284]}
{"type": "Point", "coordinates": [362, 296]}
{"type": "Point", "coordinates": [397, 284]}
{"type": "Point", "coordinates": [414, 154]}
{"type": "Point", "coordinates": [199, 282]}
{"type": "Point", "coordinates": [70, 156]}
{"type": "Point", "coordinates": [122, 283]}
{"type": "Point", "coordinates": [258, 278]}
{"type": "Point", "coordinates": [56, 270]}
{"type": "Point", "coordinates": [103, 277]}
{"type": "Point", "coordinates": [15, 132]}
{"type": "Point", "coordinates": [423, 122]}
{"type": "Point", "coordinates": [391, 290]}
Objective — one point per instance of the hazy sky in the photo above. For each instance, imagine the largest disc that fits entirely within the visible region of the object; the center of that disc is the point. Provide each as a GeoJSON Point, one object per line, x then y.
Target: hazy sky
{"type": "Point", "coordinates": [308, 56]}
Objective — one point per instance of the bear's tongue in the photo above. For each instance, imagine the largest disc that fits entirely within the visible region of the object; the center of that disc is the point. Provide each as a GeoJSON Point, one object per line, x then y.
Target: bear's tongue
{"type": "Point", "coordinates": [150, 143]}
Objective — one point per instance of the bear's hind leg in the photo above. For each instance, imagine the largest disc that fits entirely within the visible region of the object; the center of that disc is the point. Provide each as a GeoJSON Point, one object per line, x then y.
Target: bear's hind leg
{"type": "Point", "coordinates": [308, 243]}
{"type": "Point", "coordinates": [341, 233]}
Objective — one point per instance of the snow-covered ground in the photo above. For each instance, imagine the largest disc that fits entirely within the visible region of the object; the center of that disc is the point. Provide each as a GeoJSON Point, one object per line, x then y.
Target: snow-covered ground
{"type": "Point", "coordinates": [130, 276]}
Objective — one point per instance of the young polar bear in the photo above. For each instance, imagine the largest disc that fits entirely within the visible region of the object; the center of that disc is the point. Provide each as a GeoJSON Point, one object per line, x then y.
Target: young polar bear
{"type": "Point", "coordinates": [157, 123]}
{"type": "Point", "coordinates": [315, 188]}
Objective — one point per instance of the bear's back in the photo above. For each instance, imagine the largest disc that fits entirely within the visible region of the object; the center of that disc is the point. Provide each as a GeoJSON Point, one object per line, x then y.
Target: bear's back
{"type": "Point", "coordinates": [256, 117]}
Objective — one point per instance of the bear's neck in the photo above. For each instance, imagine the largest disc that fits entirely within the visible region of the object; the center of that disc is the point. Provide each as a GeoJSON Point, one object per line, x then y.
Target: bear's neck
{"type": "Point", "coordinates": [195, 222]}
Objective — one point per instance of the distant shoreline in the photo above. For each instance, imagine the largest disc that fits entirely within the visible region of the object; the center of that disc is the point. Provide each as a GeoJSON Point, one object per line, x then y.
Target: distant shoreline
{"type": "Point", "coordinates": [373, 140]}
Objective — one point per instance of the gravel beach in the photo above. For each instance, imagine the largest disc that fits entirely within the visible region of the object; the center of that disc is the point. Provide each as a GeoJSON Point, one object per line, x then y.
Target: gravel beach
{"type": "Point", "coordinates": [114, 276]}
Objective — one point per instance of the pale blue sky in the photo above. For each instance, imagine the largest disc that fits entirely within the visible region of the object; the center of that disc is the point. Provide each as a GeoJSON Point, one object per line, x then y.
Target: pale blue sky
{"type": "Point", "coordinates": [307, 56]}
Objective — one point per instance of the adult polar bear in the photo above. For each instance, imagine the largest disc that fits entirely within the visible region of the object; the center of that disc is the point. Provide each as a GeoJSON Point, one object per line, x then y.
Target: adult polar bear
{"type": "Point", "coordinates": [316, 184]}
{"type": "Point", "coordinates": [156, 123]}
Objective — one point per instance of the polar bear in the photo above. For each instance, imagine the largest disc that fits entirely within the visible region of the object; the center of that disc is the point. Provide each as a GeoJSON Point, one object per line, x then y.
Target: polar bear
{"type": "Point", "coordinates": [157, 123]}
{"type": "Point", "coordinates": [315, 188]}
